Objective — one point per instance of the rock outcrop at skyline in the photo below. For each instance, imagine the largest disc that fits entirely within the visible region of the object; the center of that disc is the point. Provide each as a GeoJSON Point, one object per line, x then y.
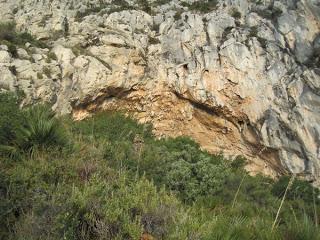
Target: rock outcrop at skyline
{"type": "Point", "coordinates": [239, 76]}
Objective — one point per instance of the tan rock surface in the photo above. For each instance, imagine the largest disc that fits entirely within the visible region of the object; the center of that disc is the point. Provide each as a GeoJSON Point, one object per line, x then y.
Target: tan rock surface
{"type": "Point", "coordinates": [246, 86]}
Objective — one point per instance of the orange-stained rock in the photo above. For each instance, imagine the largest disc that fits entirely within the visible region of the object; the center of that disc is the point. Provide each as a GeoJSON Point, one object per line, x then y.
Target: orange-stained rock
{"type": "Point", "coordinates": [147, 236]}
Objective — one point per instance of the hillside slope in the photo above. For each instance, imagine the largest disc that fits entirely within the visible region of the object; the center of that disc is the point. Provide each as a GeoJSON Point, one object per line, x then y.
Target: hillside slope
{"type": "Point", "coordinates": [108, 178]}
{"type": "Point", "coordinates": [239, 76]}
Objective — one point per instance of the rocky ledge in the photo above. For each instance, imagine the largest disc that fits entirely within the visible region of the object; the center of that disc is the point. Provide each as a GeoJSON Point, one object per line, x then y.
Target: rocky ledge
{"type": "Point", "coordinates": [239, 76]}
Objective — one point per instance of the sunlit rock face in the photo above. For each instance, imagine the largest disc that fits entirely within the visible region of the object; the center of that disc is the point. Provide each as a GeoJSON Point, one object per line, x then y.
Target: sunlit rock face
{"type": "Point", "coordinates": [239, 77]}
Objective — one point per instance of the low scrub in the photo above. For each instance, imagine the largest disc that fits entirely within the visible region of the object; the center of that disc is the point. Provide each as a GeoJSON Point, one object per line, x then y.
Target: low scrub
{"type": "Point", "coordinates": [202, 6]}
{"type": "Point", "coordinates": [40, 129]}
{"type": "Point", "coordinates": [23, 131]}
{"type": "Point", "coordinates": [117, 181]}
{"type": "Point", "coordinates": [11, 37]}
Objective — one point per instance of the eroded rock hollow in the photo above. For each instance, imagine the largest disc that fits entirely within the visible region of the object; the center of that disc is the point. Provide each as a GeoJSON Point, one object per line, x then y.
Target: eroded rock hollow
{"type": "Point", "coordinates": [239, 76]}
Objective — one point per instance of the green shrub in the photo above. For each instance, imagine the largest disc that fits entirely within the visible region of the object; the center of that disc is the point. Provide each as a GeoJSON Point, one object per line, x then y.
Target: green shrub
{"type": "Point", "coordinates": [179, 164]}
{"type": "Point", "coordinates": [119, 182]}
{"type": "Point", "coordinates": [202, 6]}
{"type": "Point", "coordinates": [144, 6]}
{"type": "Point", "coordinates": [120, 210]}
{"type": "Point", "coordinates": [253, 32]}
{"type": "Point", "coordinates": [40, 130]}
{"type": "Point", "coordinates": [270, 13]}
{"type": "Point", "coordinates": [39, 75]}
{"type": "Point", "coordinates": [299, 190]}
{"type": "Point", "coordinates": [304, 229]}
{"type": "Point", "coordinates": [112, 127]}
{"type": "Point", "coordinates": [12, 49]}
{"type": "Point", "coordinates": [47, 71]}
{"type": "Point", "coordinates": [7, 31]}
{"type": "Point", "coordinates": [160, 2]}
{"type": "Point", "coordinates": [10, 37]}
{"type": "Point", "coordinates": [238, 163]}
{"type": "Point", "coordinates": [236, 227]}
{"type": "Point", "coordinates": [52, 56]}
{"type": "Point", "coordinates": [235, 13]}
{"type": "Point", "coordinates": [11, 119]}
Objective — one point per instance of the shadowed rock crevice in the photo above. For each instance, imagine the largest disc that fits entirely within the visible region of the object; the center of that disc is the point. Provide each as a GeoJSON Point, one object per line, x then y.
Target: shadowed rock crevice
{"type": "Point", "coordinates": [212, 74]}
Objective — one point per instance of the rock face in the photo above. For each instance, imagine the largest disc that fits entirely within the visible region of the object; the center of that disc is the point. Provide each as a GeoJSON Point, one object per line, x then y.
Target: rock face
{"type": "Point", "coordinates": [239, 77]}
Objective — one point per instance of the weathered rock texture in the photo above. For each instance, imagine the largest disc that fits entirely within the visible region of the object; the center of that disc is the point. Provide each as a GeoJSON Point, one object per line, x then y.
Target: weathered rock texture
{"type": "Point", "coordinates": [243, 78]}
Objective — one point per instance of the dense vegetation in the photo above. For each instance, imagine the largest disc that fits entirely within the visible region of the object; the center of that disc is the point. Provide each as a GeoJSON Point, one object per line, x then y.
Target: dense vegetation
{"type": "Point", "coordinates": [107, 177]}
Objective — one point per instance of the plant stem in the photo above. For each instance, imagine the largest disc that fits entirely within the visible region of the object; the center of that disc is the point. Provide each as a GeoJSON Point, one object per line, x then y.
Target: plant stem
{"type": "Point", "coordinates": [238, 190]}
{"type": "Point", "coordinates": [282, 201]}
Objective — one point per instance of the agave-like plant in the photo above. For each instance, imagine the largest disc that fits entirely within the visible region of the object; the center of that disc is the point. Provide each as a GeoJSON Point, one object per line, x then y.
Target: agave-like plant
{"type": "Point", "coordinates": [40, 130]}
{"type": "Point", "coordinates": [305, 229]}
{"type": "Point", "coordinates": [10, 151]}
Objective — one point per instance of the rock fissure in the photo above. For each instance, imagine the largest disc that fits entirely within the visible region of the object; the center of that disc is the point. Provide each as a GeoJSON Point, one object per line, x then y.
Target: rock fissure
{"type": "Point", "coordinates": [242, 85]}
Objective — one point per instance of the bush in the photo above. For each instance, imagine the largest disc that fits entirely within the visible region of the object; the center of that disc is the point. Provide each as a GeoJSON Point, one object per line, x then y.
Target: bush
{"type": "Point", "coordinates": [10, 37]}
{"type": "Point", "coordinates": [52, 56]}
{"type": "Point", "coordinates": [253, 32]}
{"type": "Point", "coordinates": [39, 75]}
{"type": "Point", "coordinates": [12, 48]}
{"type": "Point", "coordinates": [47, 71]}
{"type": "Point", "coordinates": [193, 180]}
{"type": "Point", "coordinates": [202, 6]}
{"type": "Point", "coordinates": [29, 129]}
{"type": "Point", "coordinates": [179, 164]}
{"type": "Point", "coordinates": [235, 13]}
{"type": "Point", "coordinates": [40, 130]}
{"type": "Point", "coordinates": [238, 163]}
{"type": "Point", "coordinates": [7, 31]}
{"type": "Point", "coordinates": [299, 190]}
{"type": "Point", "coordinates": [111, 126]}
{"type": "Point", "coordinates": [304, 229]}
{"type": "Point", "coordinates": [270, 13]}
{"type": "Point", "coordinates": [120, 210]}
{"type": "Point", "coordinates": [11, 119]}
{"type": "Point", "coordinates": [119, 182]}
{"type": "Point", "coordinates": [46, 198]}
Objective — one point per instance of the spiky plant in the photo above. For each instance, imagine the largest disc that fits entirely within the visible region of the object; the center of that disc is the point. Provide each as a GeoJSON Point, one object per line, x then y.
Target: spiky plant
{"type": "Point", "coordinates": [41, 130]}
{"type": "Point", "coordinates": [305, 229]}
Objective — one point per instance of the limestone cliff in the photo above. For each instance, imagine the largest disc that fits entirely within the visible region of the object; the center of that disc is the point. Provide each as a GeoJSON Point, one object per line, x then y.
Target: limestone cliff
{"type": "Point", "coordinates": [239, 76]}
